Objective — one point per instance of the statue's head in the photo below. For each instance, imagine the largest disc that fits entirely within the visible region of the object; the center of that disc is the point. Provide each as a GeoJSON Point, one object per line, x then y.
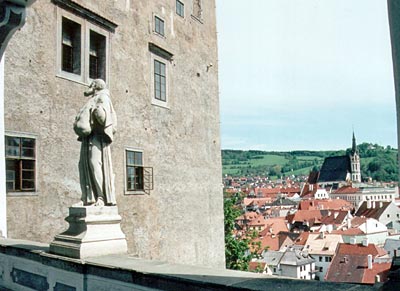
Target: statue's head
{"type": "Point", "coordinates": [96, 85]}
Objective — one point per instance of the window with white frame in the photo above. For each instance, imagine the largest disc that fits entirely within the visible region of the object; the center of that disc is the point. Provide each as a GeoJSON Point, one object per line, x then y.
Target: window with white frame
{"type": "Point", "coordinates": [82, 49]}
{"type": "Point", "coordinates": [180, 8]}
{"type": "Point", "coordinates": [138, 178]}
{"type": "Point", "coordinates": [159, 26]}
{"type": "Point", "coordinates": [160, 65]}
{"type": "Point", "coordinates": [20, 154]}
{"type": "Point", "coordinates": [160, 83]}
{"type": "Point", "coordinates": [134, 170]}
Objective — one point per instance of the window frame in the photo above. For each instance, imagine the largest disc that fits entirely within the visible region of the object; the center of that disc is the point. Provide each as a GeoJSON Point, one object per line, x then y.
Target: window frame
{"type": "Point", "coordinates": [131, 191]}
{"type": "Point", "coordinates": [86, 27]}
{"type": "Point", "coordinates": [164, 26]}
{"type": "Point", "coordinates": [182, 6]}
{"type": "Point", "coordinates": [154, 100]}
{"type": "Point", "coordinates": [21, 192]}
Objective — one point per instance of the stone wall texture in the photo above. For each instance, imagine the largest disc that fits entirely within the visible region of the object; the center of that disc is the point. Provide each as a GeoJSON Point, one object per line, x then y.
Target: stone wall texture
{"type": "Point", "coordinates": [181, 220]}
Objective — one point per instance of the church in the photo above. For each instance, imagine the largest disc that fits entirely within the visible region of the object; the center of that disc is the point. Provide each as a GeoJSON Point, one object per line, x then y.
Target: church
{"type": "Point", "coordinates": [339, 170]}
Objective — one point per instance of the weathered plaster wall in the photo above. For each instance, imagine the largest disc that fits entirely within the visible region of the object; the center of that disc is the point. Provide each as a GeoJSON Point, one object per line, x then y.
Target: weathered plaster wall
{"type": "Point", "coordinates": [182, 218]}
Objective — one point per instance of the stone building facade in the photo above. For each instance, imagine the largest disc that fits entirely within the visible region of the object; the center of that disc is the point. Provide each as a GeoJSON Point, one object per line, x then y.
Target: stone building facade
{"type": "Point", "coordinates": [159, 59]}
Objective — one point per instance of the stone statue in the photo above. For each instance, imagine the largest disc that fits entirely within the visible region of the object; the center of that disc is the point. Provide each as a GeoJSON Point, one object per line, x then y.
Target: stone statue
{"type": "Point", "coordinates": [95, 126]}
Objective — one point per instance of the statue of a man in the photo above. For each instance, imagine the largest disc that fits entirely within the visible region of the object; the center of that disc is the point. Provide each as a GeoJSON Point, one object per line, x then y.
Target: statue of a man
{"type": "Point", "coordinates": [95, 125]}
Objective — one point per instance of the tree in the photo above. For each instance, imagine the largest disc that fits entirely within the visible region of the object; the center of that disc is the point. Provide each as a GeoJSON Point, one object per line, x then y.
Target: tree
{"type": "Point", "coordinates": [237, 249]}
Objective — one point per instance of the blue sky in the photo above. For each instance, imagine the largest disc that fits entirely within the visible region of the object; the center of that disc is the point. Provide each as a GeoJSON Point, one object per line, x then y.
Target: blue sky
{"type": "Point", "coordinates": [301, 74]}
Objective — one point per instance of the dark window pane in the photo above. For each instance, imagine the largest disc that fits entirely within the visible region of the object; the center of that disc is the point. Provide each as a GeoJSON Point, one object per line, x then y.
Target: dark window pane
{"type": "Point", "coordinates": [139, 178]}
{"type": "Point", "coordinates": [10, 186]}
{"type": "Point", "coordinates": [28, 153]}
{"type": "Point", "coordinates": [97, 56]}
{"type": "Point", "coordinates": [28, 185]}
{"type": "Point", "coordinates": [28, 175]}
{"type": "Point", "coordinates": [71, 46]}
{"type": "Point", "coordinates": [13, 146]}
{"type": "Point", "coordinates": [12, 174]}
{"type": "Point", "coordinates": [28, 142]}
{"type": "Point", "coordinates": [28, 164]}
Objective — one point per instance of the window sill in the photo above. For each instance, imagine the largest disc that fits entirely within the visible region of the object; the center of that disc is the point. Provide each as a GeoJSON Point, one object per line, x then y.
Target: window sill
{"type": "Point", "coordinates": [22, 194]}
{"type": "Point", "coordinates": [139, 192]}
{"type": "Point", "coordinates": [71, 77]}
{"type": "Point", "coordinates": [159, 103]}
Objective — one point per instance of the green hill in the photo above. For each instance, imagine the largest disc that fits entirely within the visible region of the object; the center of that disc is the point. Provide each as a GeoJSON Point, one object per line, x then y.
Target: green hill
{"type": "Point", "coordinates": [377, 162]}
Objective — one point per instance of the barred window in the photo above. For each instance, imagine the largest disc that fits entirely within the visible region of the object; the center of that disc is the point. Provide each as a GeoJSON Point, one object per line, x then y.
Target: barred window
{"type": "Point", "coordinates": [20, 163]}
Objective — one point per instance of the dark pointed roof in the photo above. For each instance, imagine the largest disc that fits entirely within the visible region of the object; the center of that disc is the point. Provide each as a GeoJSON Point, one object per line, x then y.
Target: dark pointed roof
{"type": "Point", "coordinates": [335, 169]}
{"type": "Point", "coordinates": [354, 145]}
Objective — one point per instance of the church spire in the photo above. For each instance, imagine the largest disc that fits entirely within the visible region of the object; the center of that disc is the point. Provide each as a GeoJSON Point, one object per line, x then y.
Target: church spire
{"type": "Point", "coordinates": [354, 147]}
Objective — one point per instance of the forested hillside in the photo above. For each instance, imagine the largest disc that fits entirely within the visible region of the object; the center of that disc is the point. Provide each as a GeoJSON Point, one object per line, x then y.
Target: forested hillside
{"type": "Point", "coordinates": [377, 162]}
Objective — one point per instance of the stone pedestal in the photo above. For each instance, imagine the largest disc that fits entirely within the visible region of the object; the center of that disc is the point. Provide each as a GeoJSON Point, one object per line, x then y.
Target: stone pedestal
{"type": "Point", "coordinates": [93, 231]}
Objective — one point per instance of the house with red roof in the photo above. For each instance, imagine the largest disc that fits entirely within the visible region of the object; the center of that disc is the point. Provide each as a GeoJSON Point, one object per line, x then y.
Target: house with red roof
{"type": "Point", "coordinates": [361, 229]}
{"type": "Point", "coordinates": [322, 248]}
{"type": "Point", "coordinates": [332, 204]}
{"type": "Point", "coordinates": [358, 263]}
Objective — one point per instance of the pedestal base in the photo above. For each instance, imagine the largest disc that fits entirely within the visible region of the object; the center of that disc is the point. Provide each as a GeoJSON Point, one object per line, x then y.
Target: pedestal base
{"type": "Point", "coordinates": [93, 231]}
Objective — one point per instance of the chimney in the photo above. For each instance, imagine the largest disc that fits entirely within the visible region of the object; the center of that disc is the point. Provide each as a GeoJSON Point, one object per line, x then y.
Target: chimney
{"type": "Point", "coordinates": [377, 279]}
{"type": "Point", "coordinates": [321, 234]}
{"type": "Point", "coordinates": [365, 242]}
{"type": "Point", "coordinates": [336, 214]}
{"type": "Point", "coordinates": [369, 204]}
{"type": "Point", "coordinates": [380, 204]}
{"type": "Point", "coordinates": [370, 262]}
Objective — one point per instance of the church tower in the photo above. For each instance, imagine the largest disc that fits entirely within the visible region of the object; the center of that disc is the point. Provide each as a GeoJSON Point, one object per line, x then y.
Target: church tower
{"type": "Point", "coordinates": [355, 162]}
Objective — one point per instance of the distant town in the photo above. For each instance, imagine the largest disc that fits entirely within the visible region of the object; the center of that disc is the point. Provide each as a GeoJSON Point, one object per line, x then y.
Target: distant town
{"type": "Point", "coordinates": [330, 225]}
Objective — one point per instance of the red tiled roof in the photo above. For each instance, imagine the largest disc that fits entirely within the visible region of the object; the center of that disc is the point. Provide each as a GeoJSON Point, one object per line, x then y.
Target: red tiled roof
{"type": "Point", "coordinates": [253, 266]}
{"type": "Point", "coordinates": [346, 190]}
{"type": "Point", "coordinates": [270, 241]}
{"type": "Point", "coordinates": [302, 239]}
{"type": "Point", "coordinates": [305, 215]}
{"type": "Point", "coordinates": [381, 269]}
{"type": "Point", "coordinates": [333, 204]}
{"type": "Point", "coordinates": [354, 269]}
{"type": "Point", "coordinates": [359, 249]}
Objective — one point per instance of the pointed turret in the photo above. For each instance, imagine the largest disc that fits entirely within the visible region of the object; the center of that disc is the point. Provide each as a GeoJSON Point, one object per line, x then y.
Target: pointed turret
{"type": "Point", "coordinates": [355, 162]}
{"type": "Point", "coordinates": [354, 146]}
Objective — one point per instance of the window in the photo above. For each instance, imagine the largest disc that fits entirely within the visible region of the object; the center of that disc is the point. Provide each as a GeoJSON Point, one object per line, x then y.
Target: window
{"type": "Point", "coordinates": [160, 85]}
{"type": "Point", "coordinates": [134, 171]}
{"type": "Point", "coordinates": [159, 25]}
{"type": "Point", "coordinates": [82, 47]}
{"type": "Point", "coordinates": [71, 46]}
{"type": "Point", "coordinates": [326, 259]}
{"type": "Point", "coordinates": [97, 56]}
{"type": "Point", "coordinates": [180, 8]}
{"type": "Point", "coordinates": [20, 163]}
{"type": "Point", "coordinates": [320, 259]}
{"type": "Point", "coordinates": [321, 269]}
